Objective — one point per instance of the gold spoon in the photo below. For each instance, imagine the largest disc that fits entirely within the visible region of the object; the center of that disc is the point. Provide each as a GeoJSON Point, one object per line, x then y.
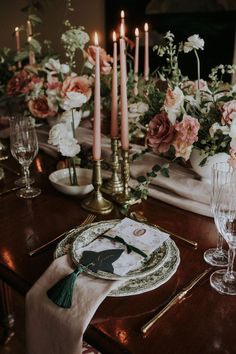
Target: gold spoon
{"type": "Point", "coordinates": [140, 217]}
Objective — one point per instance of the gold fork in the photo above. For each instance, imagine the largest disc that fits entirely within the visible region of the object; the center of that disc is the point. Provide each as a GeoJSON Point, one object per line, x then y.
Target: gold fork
{"type": "Point", "coordinates": [88, 220]}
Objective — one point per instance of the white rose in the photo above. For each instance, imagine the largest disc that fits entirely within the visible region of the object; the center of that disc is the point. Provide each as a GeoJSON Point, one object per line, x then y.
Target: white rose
{"type": "Point", "coordinates": [53, 64]}
{"type": "Point", "coordinates": [73, 100]}
{"type": "Point", "coordinates": [217, 126]}
{"type": "Point", "coordinates": [69, 147]}
{"type": "Point", "coordinates": [137, 109]}
{"type": "Point", "coordinates": [65, 69]}
{"type": "Point", "coordinates": [66, 117]}
{"type": "Point", "coordinates": [57, 133]}
{"type": "Point", "coordinates": [193, 42]}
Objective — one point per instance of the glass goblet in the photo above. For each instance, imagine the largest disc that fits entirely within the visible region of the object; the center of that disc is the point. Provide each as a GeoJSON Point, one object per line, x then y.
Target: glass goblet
{"type": "Point", "coordinates": [221, 173]}
{"type": "Point", "coordinates": [224, 281]}
{"type": "Point", "coordinates": [24, 148]}
{"type": "Point", "coordinates": [21, 181]}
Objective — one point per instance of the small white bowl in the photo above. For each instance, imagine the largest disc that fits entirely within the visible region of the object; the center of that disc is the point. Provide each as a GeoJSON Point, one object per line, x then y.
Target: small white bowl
{"type": "Point", "coordinates": [61, 181]}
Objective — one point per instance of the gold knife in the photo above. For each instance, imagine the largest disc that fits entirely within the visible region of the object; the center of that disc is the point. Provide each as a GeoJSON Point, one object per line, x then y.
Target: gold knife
{"type": "Point", "coordinates": [175, 300]}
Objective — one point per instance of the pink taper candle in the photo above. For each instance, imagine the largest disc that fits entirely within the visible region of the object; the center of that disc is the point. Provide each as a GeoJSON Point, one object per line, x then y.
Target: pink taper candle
{"type": "Point", "coordinates": [122, 16]}
{"type": "Point", "coordinates": [17, 34]}
{"type": "Point", "coordinates": [136, 61]}
{"type": "Point", "coordinates": [123, 94]}
{"type": "Point", "coordinates": [146, 52]}
{"type": "Point", "coordinates": [114, 108]}
{"type": "Point", "coordinates": [31, 53]}
{"type": "Point", "coordinates": [97, 106]}
{"type": "Point", "coordinates": [29, 29]}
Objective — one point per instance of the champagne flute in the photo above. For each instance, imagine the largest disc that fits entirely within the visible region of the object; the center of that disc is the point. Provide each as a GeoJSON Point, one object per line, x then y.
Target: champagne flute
{"type": "Point", "coordinates": [24, 148]}
{"type": "Point", "coordinates": [224, 281]}
{"type": "Point", "coordinates": [221, 173]}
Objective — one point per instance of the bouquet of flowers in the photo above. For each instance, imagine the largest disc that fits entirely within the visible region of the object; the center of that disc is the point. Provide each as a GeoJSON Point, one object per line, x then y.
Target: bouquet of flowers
{"type": "Point", "coordinates": [181, 114]}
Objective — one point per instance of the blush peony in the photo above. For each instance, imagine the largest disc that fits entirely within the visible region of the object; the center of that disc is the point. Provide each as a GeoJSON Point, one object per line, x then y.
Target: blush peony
{"type": "Point", "coordinates": [105, 59]}
{"type": "Point", "coordinates": [186, 135]}
{"type": "Point", "coordinates": [80, 84]}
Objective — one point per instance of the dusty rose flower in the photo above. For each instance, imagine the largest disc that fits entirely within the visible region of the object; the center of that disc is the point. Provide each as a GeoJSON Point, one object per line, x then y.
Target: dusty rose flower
{"type": "Point", "coordinates": [105, 59]}
{"type": "Point", "coordinates": [35, 84]}
{"type": "Point", "coordinates": [186, 135]}
{"type": "Point", "coordinates": [77, 84]}
{"type": "Point", "coordinates": [228, 112]}
{"type": "Point", "coordinates": [42, 107]}
{"type": "Point", "coordinates": [16, 85]}
{"type": "Point", "coordinates": [160, 133]}
{"type": "Point", "coordinates": [191, 87]}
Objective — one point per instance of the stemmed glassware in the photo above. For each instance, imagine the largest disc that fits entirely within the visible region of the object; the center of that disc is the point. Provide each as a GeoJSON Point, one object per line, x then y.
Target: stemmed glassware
{"type": "Point", "coordinates": [24, 148]}
{"type": "Point", "coordinates": [224, 281]}
{"type": "Point", "coordinates": [221, 174]}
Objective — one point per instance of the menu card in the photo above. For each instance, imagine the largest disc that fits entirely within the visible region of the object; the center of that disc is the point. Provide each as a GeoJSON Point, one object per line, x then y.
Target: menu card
{"type": "Point", "coordinates": [142, 237]}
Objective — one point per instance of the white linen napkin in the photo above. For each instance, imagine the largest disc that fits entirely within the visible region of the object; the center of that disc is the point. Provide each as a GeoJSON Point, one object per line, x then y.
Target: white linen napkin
{"type": "Point", "coordinates": [53, 330]}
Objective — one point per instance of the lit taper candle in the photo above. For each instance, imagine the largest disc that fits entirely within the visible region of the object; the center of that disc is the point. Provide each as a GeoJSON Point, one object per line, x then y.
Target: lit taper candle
{"type": "Point", "coordinates": [29, 29]}
{"type": "Point", "coordinates": [136, 61]}
{"type": "Point", "coordinates": [97, 106]}
{"type": "Point", "coordinates": [146, 52]}
{"type": "Point", "coordinates": [17, 34]}
{"type": "Point", "coordinates": [114, 108]}
{"type": "Point", "coordinates": [123, 93]}
{"type": "Point", "coordinates": [122, 17]}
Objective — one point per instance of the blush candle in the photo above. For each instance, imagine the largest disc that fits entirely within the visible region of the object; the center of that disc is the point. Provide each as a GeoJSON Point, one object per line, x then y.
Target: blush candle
{"type": "Point", "coordinates": [146, 52]}
{"type": "Point", "coordinates": [123, 94]}
{"type": "Point", "coordinates": [97, 106]}
{"type": "Point", "coordinates": [17, 34]}
{"type": "Point", "coordinates": [29, 29]}
{"type": "Point", "coordinates": [114, 107]}
{"type": "Point", "coordinates": [136, 61]}
{"type": "Point", "coordinates": [31, 53]}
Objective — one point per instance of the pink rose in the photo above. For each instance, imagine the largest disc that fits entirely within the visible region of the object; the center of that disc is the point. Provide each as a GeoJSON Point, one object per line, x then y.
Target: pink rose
{"type": "Point", "coordinates": [228, 112]}
{"type": "Point", "coordinates": [160, 133]}
{"type": "Point", "coordinates": [41, 107]}
{"type": "Point", "coordinates": [16, 85]}
{"type": "Point", "coordinates": [186, 135]}
{"type": "Point", "coordinates": [192, 86]}
{"type": "Point", "coordinates": [105, 59]}
{"type": "Point", "coordinates": [77, 84]}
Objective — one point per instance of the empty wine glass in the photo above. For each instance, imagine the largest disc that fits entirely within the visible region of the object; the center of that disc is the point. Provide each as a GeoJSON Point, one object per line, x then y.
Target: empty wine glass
{"type": "Point", "coordinates": [21, 181]}
{"type": "Point", "coordinates": [221, 173]}
{"type": "Point", "coordinates": [224, 281]}
{"type": "Point", "coordinates": [24, 148]}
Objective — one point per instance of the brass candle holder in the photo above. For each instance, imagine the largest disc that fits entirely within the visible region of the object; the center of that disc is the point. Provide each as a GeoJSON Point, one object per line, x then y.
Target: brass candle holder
{"type": "Point", "coordinates": [95, 202]}
{"type": "Point", "coordinates": [114, 185]}
{"type": "Point", "coordinates": [126, 198]}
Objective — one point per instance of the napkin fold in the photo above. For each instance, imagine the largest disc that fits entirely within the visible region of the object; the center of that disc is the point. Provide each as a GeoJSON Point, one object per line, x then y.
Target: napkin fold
{"type": "Point", "coordinates": [52, 329]}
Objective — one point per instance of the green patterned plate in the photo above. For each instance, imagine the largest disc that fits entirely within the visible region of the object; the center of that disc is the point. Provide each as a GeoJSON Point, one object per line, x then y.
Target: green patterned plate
{"type": "Point", "coordinates": [137, 285]}
{"type": "Point", "coordinates": [148, 266]}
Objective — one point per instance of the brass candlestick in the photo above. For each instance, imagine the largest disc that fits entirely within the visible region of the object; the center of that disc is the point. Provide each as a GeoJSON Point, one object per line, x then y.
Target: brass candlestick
{"type": "Point", "coordinates": [114, 185]}
{"type": "Point", "coordinates": [95, 202]}
{"type": "Point", "coordinates": [126, 198]}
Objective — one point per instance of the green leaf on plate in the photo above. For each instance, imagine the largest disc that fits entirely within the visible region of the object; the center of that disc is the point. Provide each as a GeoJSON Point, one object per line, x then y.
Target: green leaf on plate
{"type": "Point", "coordinates": [101, 260]}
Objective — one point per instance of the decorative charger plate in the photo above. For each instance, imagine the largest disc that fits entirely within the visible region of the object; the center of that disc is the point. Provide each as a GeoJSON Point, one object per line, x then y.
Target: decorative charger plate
{"type": "Point", "coordinates": [146, 267]}
{"type": "Point", "coordinates": [131, 286]}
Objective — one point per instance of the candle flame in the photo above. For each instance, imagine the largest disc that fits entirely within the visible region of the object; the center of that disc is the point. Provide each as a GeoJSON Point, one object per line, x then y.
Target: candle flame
{"type": "Point", "coordinates": [28, 22]}
{"type": "Point", "coordinates": [122, 14]}
{"type": "Point", "coordinates": [114, 36]}
{"type": "Point", "coordinates": [136, 32]}
{"type": "Point", "coordinates": [29, 38]}
{"type": "Point", "coordinates": [95, 38]}
{"type": "Point", "coordinates": [146, 27]}
{"type": "Point", "coordinates": [17, 29]}
{"type": "Point", "coordinates": [122, 30]}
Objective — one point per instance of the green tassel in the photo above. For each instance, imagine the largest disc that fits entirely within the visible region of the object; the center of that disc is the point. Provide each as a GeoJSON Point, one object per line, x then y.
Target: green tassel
{"type": "Point", "coordinates": [61, 293]}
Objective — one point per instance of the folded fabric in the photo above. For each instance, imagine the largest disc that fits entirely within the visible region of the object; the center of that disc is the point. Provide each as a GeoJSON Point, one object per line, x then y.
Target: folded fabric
{"type": "Point", "coordinates": [182, 189]}
{"type": "Point", "coordinates": [52, 329]}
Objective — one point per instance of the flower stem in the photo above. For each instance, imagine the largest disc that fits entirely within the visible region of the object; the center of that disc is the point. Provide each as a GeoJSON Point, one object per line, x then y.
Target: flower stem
{"type": "Point", "coordinates": [198, 69]}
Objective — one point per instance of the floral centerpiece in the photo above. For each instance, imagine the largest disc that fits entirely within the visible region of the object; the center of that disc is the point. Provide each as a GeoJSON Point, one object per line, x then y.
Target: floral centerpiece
{"type": "Point", "coordinates": [183, 115]}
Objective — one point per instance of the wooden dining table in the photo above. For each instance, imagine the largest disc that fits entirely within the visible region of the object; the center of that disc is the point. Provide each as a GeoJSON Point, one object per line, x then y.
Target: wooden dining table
{"type": "Point", "coordinates": [203, 322]}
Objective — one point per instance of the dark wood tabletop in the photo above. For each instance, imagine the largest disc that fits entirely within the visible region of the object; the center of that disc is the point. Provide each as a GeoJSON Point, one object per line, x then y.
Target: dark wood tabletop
{"type": "Point", "coordinates": [204, 322]}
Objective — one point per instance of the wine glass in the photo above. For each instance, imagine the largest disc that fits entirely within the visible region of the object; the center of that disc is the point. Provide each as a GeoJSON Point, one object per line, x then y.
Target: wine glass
{"type": "Point", "coordinates": [221, 173]}
{"type": "Point", "coordinates": [224, 281]}
{"type": "Point", "coordinates": [21, 181]}
{"type": "Point", "coordinates": [24, 148]}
